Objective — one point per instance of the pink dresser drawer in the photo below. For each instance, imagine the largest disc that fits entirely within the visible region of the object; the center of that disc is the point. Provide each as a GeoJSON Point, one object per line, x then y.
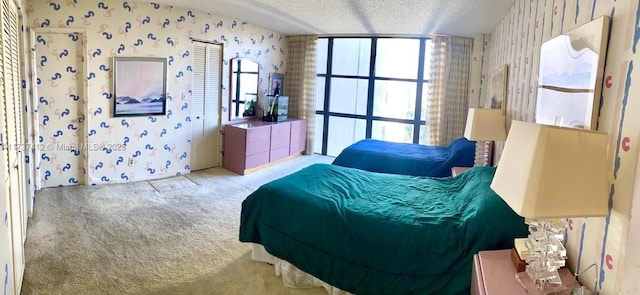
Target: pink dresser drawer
{"type": "Point", "coordinates": [279, 153]}
{"type": "Point", "coordinates": [298, 136]}
{"type": "Point", "coordinates": [258, 140]}
{"type": "Point", "coordinates": [280, 134]}
{"type": "Point", "coordinates": [256, 160]}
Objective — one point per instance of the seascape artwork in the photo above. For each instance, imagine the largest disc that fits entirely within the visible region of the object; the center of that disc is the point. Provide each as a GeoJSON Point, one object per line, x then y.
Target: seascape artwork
{"type": "Point", "coordinates": [140, 86]}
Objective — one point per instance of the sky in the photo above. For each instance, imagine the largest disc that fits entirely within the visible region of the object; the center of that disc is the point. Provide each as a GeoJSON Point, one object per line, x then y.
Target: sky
{"type": "Point", "coordinates": [139, 79]}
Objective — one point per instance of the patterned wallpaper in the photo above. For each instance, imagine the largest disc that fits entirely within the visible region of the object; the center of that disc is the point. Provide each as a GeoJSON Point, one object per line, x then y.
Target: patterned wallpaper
{"type": "Point", "coordinates": [516, 41]}
{"type": "Point", "coordinates": [160, 145]}
{"type": "Point", "coordinates": [127, 28]}
{"type": "Point", "coordinates": [479, 70]}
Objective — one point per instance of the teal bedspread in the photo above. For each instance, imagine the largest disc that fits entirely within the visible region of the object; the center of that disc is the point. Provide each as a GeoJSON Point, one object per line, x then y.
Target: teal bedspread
{"type": "Point", "coordinates": [374, 233]}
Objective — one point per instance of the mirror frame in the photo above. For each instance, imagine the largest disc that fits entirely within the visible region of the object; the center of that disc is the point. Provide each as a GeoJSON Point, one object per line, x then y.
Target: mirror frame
{"type": "Point", "coordinates": [233, 90]}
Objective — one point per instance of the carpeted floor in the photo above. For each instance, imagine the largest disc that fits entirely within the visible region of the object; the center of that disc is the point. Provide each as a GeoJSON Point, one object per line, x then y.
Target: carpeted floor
{"type": "Point", "coordinates": [170, 236]}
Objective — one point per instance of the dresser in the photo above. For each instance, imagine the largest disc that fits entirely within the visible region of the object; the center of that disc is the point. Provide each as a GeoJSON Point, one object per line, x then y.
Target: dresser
{"type": "Point", "coordinates": [251, 145]}
{"type": "Point", "coordinates": [493, 273]}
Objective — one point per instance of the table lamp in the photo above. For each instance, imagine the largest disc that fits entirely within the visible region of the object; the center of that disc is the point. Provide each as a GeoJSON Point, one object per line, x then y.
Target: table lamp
{"type": "Point", "coordinates": [547, 174]}
{"type": "Point", "coordinates": [484, 126]}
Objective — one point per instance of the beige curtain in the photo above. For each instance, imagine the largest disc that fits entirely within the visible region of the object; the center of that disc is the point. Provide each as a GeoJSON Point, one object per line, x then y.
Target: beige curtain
{"type": "Point", "coordinates": [300, 82]}
{"type": "Point", "coordinates": [448, 104]}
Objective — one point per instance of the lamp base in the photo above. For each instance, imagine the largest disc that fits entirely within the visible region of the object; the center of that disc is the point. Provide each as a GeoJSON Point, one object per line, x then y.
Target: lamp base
{"type": "Point", "coordinates": [581, 291]}
{"type": "Point", "coordinates": [546, 254]}
{"type": "Point", "coordinates": [548, 288]}
{"type": "Point", "coordinates": [484, 153]}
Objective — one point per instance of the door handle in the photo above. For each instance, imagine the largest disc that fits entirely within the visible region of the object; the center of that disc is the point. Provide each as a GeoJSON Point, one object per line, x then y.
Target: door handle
{"type": "Point", "coordinates": [81, 119]}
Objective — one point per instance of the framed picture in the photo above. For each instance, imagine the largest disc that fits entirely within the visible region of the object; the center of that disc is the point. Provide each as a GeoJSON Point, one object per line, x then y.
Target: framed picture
{"type": "Point", "coordinates": [276, 84]}
{"type": "Point", "coordinates": [498, 88]}
{"type": "Point", "coordinates": [570, 76]}
{"type": "Point", "coordinates": [139, 86]}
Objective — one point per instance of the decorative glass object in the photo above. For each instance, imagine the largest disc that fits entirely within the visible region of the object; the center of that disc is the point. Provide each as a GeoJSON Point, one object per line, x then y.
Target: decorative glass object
{"type": "Point", "coordinates": [483, 153]}
{"type": "Point", "coordinates": [546, 254]}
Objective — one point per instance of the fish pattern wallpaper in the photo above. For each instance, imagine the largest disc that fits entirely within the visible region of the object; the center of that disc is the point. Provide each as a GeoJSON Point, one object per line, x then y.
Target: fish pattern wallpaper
{"type": "Point", "coordinates": [605, 242]}
{"type": "Point", "coordinates": [158, 146]}
{"type": "Point", "coordinates": [59, 130]}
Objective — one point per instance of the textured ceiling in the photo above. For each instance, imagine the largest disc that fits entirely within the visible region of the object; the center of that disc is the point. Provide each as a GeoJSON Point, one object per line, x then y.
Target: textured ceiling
{"type": "Point", "coordinates": [361, 17]}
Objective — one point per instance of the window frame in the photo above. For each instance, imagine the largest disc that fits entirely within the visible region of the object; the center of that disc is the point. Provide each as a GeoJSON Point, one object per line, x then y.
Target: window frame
{"type": "Point", "coordinates": [420, 82]}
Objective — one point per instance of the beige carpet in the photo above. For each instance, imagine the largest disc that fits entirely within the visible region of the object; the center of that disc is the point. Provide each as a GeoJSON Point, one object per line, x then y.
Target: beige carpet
{"type": "Point", "coordinates": [172, 183]}
{"type": "Point", "coordinates": [132, 239]}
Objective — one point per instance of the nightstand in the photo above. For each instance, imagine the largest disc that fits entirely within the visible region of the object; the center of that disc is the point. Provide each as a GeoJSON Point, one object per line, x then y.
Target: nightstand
{"type": "Point", "coordinates": [493, 274]}
{"type": "Point", "coordinates": [457, 170]}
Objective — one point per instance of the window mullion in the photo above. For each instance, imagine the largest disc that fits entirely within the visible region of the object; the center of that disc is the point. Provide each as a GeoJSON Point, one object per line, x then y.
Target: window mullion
{"type": "Point", "coordinates": [419, 89]}
{"type": "Point", "coordinates": [372, 80]}
{"type": "Point", "coordinates": [327, 98]}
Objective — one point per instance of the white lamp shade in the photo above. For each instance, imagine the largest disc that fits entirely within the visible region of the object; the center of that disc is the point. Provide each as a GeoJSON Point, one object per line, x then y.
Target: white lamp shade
{"type": "Point", "coordinates": [553, 172]}
{"type": "Point", "coordinates": [485, 125]}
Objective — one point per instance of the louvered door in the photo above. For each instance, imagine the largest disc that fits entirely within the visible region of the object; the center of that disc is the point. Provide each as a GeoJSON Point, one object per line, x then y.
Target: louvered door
{"type": "Point", "coordinates": [20, 125]}
{"type": "Point", "coordinates": [205, 106]}
{"type": "Point", "coordinates": [17, 155]}
{"type": "Point", "coordinates": [12, 195]}
{"type": "Point", "coordinates": [7, 276]}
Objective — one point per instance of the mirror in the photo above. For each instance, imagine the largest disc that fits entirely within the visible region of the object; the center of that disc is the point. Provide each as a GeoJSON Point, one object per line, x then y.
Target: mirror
{"type": "Point", "coordinates": [243, 94]}
{"type": "Point", "coordinates": [570, 76]}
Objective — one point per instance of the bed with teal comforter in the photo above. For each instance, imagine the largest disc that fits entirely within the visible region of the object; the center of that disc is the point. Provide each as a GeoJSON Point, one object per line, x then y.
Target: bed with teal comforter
{"type": "Point", "coordinates": [374, 233]}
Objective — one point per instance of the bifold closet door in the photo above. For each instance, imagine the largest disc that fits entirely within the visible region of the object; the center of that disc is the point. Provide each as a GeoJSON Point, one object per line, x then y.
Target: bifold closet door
{"type": "Point", "coordinates": [205, 106]}
{"type": "Point", "coordinates": [12, 158]}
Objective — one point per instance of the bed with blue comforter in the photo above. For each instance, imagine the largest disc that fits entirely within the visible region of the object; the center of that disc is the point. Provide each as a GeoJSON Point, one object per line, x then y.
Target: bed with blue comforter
{"type": "Point", "coordinates": [409, 159]}
{"type": "Point", "coordinates": [375, 233]}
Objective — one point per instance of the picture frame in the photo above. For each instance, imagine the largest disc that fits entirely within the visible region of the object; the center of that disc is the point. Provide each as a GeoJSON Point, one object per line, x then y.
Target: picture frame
{"type": "Point", "coordinates": [282, 108]}
{"type": "Point", "coordinates": [498, 88]}
{"type": "Point", "coordinates": [276, 84]}
{"type": "Point", "coordinates": [570, 75]}
{"type": "Point", "coordinates": [139, 86]}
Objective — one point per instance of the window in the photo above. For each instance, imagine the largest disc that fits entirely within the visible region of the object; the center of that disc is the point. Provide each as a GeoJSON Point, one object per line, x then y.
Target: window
{"type": "Point", "coordinates": [247, 72]}
{"type": "Point", "coordinates": [370, 88]}
{"type": "Point", "coordinates": [352, 58]}
{"type": "Point", "coordinates": [397, 58]}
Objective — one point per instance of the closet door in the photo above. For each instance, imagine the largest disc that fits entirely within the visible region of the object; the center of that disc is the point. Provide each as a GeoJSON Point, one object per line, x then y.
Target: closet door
{"type": "Point", "coordinates": [60, 117]}
{"type": "Point", "coordinates": [19, 165]}
{"type": "Point", "coordinates": [205, 106]}
{"type": "Point", "coordinates": [6, 235]}
{"type": "Point", "coordinates": [13, 165]}
{"type": "Point", "coordinates": [17, 156]}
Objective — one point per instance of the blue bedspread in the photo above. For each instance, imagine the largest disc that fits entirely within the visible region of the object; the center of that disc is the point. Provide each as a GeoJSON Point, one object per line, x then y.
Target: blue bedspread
{"type": "Point", "coordinates": [409, 159]}
{"type": "Point", "coordinates": [375, 233]}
